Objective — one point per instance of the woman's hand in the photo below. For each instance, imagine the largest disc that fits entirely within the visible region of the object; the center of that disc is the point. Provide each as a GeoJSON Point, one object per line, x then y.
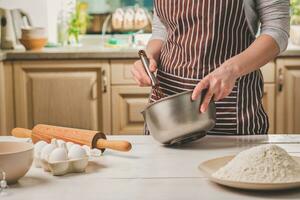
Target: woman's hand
{"type": "Point", "coordinates": [219, 83]}
{"type": "Point", "coordinates": [139, 73]}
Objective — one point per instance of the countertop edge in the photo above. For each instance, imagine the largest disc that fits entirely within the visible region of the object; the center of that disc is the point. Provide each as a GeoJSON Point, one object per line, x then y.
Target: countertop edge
{"type": "Point", "coordinates": [93, 54]}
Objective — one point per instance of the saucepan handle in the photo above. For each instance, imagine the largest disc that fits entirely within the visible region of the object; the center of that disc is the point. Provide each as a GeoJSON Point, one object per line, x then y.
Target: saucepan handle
{"type": "Point", "coordinates": [146, 64]}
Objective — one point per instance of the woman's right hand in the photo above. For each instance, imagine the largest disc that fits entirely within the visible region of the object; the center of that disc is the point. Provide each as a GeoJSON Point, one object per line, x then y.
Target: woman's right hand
{"type": "Point", "coordinates": [140, 75]}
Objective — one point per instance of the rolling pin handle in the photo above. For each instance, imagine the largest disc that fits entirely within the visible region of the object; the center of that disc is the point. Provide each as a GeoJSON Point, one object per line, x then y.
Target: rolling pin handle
{"type": "Point", "coordinates": [118, 145]}
{"type": "Point", "coordinates": [21, 133]}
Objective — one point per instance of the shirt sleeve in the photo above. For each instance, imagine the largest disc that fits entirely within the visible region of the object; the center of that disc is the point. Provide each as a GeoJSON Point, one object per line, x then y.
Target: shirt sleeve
{"type": "Point", "coordinates": [159, 30]}
{"type": "Point", "coordinates": [275, 20]}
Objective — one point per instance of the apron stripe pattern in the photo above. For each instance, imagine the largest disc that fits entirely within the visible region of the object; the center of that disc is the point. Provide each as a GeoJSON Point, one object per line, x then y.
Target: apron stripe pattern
{"type": "Point", "coordinates": [202, 34]}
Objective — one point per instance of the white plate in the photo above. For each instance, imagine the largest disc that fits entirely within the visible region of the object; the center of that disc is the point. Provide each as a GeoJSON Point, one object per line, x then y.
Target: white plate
{"type": "Point", "coordinates": [211, 166]}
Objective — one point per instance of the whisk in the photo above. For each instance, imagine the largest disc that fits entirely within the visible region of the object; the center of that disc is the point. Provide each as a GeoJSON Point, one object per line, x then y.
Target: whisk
{"type": "Point", "coordinates": [154, 82]}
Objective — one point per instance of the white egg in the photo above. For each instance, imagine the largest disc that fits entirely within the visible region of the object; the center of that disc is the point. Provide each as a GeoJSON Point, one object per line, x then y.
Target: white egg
{"type": "Point", "coordinates": [46, 151]}
{"type": "Point", "coordinates": [76, 152]}
{"type": "Point", "coordinates": [96, 152]}
{"type": "Point", "coordinates": [69, 145]}
{"type": "Point", "coordinates": [64, 146]}
{"type": "Point", "coordinates": [38, 148]}
{"type": "Point", "coordinates": [58, 154]}
{"type": "Point", "coordinates": [60, 143]}
{"type": "Point", "coordinates": [54, 141]}
{"type": "Point", "coordinates": [87, 149]}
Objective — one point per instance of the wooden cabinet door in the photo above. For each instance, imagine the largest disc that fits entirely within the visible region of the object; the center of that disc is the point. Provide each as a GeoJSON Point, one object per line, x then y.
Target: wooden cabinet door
{"type": "Point", "coordinates": [127, 104]}
{"type": "Point", "coordinates": [7, 117]}
{"type": "Point", "coordinates": [288, 96]}
{"type": "Point", "coordinates": [60, 93]}
{"type": "Point", "coordinates": [121, 72]}
{"type": "Point", "coordinates": [269, 105]}
{"type": "Point", "coordinates": [268, 72]}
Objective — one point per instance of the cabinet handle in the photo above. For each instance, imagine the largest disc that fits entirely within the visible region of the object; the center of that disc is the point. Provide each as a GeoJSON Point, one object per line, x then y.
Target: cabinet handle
{"type": "Point", "coordinates": [280, 80]}
{"type": "Point", "coordinates": [94, 90]}
{"type": "Point", "coordinates": [104, 82]}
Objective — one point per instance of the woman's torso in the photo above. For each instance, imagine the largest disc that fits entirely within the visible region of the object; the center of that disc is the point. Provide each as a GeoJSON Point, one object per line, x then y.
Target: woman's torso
{"type": "Point", "coordinates": [201, 36]}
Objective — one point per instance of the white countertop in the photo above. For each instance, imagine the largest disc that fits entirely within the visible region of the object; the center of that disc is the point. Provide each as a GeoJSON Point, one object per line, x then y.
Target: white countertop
{"type": "Point", "coordinates": [151, 171]}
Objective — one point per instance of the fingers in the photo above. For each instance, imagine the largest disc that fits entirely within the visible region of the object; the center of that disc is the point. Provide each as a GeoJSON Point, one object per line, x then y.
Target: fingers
{"type": "Point", "coordinates": [218, 93]}
{"type": "Point", "coordinates": [140, 75]}
{"type": "Point", "coordinates": [137, 81]}
{"type": "Point", "coordinates": [152, 65]}
{"type": "Point", "coordinates": [219, 96]}
{"type": "Point", "coordinates": [225, 90]}
{"type": "Point", "coordinates": [206, 100]}
{"type": "Point", "coordinates": [203, 84]}
{"type": "Point", "coordinates": [137, 77]}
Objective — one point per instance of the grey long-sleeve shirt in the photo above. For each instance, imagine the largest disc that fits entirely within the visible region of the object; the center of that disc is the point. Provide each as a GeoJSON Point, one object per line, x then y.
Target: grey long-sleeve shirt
{"type": "Point", "coordinates": [273, 15]}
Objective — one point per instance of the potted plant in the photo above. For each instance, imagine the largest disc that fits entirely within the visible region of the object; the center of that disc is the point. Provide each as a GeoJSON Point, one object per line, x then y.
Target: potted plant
{"type": "Point", "coordinates": [78, 23]}
{"type": "Point", "coordinates": [295, 22]}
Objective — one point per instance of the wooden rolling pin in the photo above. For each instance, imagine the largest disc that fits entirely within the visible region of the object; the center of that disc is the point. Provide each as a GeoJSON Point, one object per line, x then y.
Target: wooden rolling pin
{"type": "Point", "coordinates": [94, 139]}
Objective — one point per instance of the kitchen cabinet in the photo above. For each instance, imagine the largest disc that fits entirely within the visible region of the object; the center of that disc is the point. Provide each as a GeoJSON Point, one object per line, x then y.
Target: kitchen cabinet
{"type": "Point", "coordinates": [100, 94]}
{"type": "Point", "coordinates": [127, 104]}
{"type": "Point", "coordinates": [268, 72]}
{"type": "Point", "coordinates": [128, 99]}
{"type": "Point", "coordinates": [269, 105]}
{"type": "Point", "coordinates": [63, 93]}
{"type": "Point", "coordinates": [288, 95]}
{"type": "Point", "coordinates": [121, 72]}
{"type": "Point", "coordinates": [6, 98]}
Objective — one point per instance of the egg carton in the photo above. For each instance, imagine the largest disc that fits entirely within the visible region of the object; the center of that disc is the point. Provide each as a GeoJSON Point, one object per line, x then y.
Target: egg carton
{"type": "Point", "coordinates": [61, 158]}
{"type": "Point", "coordinates": [60, 168]}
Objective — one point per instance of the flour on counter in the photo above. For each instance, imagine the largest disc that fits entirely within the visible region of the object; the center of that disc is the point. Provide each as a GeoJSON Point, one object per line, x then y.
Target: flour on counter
{"type": "Point", "coordinates": [261, 164]}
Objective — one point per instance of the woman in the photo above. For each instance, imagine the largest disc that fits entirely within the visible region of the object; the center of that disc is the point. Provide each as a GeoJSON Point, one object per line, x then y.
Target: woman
{"type": "Point", "coordinates": [199, 44]}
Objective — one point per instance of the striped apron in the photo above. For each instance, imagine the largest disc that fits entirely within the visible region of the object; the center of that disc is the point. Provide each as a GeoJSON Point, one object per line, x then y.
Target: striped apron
{"type": "Point", "coordinates": [202, 34]}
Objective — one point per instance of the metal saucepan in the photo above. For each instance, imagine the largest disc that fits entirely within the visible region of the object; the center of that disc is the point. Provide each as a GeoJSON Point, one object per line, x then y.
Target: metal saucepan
{"type": "Point", "coordinates": [176, 119]}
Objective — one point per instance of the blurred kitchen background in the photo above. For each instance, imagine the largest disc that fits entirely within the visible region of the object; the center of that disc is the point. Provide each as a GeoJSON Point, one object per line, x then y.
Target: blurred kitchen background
{"type": "Point", "coordinates": [68, 22]}
{"type": "Point", "coordinates": [75, 70]}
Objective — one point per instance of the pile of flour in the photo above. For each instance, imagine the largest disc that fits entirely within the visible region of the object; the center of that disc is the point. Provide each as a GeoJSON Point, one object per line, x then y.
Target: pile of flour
{"type": "Point", "coordinates": [261, 164]}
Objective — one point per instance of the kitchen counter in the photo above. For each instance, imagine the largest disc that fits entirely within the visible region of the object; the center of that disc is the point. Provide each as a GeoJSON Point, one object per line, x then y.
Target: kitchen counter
{"type": "Point", "coordinates": [151, 171]}
{"type": "Point", "coordinates": [93, 52]}
{"type": "Point", "coordinates": [87, 52]}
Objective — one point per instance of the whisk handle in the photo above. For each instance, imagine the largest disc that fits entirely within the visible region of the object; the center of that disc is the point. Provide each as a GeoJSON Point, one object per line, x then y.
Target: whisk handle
{"type": "Point", "coordinates": [146, 64]}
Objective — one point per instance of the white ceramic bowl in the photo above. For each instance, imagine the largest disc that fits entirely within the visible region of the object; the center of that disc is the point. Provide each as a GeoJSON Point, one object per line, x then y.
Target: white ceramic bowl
{"type": "Point", "coordinates": [15, 159]}
{"type": "Point", "coordinates": [33, 33]}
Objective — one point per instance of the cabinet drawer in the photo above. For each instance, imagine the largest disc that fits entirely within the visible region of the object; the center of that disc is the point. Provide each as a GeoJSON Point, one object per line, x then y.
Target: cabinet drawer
{"type": "Point", "coordinates": [127, 104]}
{"type": "Point", "coordinates": [121, 72]}
{"type": "Point", "coordinates": [268, 72]}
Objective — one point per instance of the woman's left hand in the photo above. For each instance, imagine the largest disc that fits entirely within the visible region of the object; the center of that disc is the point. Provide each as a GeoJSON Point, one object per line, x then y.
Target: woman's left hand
{"type": "Point", "coordinates": [219, 83]}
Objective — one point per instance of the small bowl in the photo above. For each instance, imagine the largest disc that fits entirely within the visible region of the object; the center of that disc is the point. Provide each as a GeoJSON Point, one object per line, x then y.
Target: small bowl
{"type": "Point", "coordinates": [33, 44]}
{"type": "Point", "coordinates": [15, 159]}
{"type": "Point", "coordinates": [33, 33]}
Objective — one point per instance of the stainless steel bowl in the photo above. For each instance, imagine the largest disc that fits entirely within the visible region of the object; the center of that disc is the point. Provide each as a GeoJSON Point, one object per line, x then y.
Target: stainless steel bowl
{"type": "Point", "coordinates": [176, 119]}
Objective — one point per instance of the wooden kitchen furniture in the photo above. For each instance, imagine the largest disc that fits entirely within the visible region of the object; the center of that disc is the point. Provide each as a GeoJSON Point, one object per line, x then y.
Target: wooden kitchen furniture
{"type": "Point", "coordinates": [268, 72]}
{"type": "Point", "coordinates": [100, 94]}
{"type": "Point", "coordinates": [127, 100]}
{"type": "Point", "coordinates": [7, 110]}
{"type": "Point", "coordinates": [66, 93]}
{"type": "Point", "coordinates": [150, 171]}
{"type": "Point", "coordinates": [288, 95]}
